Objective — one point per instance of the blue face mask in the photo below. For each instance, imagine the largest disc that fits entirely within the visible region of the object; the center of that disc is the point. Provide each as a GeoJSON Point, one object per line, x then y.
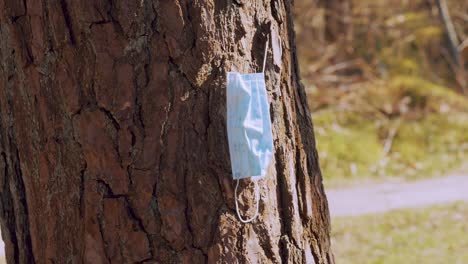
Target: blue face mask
{"type": "Point", "coordinates": [248, 124]}
{"type": "Point", "coordinates": [249, 127]}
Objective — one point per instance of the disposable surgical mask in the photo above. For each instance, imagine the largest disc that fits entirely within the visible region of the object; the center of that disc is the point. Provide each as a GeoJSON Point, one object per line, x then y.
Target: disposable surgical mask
{"type": "Point", "coordinates": [249, 128]}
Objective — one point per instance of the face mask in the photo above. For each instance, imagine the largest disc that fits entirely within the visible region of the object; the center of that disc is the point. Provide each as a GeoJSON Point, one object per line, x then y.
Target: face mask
{"type": "Point", "coordinates": [249, 128]}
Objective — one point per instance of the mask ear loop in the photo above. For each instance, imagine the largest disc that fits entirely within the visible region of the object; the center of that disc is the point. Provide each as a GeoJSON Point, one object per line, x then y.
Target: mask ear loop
{"type": "Point", "coordinates": [265, 56]}
{"type": "Point", "coordinates": [257, 201]}
{"type": "Point", "coordinates": [257, 189]}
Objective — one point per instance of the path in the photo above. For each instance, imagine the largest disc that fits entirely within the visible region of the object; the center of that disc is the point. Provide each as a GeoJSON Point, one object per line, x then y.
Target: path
{"type": "Point", "coordinates": [380, 198]}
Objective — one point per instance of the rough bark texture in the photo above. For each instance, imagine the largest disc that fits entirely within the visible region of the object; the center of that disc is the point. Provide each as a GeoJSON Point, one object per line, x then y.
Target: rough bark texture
{"type": "Point", "coordinates": [113, 138]}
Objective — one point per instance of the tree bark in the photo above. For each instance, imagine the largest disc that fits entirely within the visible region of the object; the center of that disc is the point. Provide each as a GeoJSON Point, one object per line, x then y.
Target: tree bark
{"type": "Point", "coordinates": [113, 135]}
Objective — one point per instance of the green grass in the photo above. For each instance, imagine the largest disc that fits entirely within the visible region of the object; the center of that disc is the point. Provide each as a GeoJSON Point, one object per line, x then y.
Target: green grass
{"type": "Point", "coordinates": [432, 235]}
{"type": "Point", "coordinates": [431, 124]}
{"type": "Point", "coordinates": [432, 145]}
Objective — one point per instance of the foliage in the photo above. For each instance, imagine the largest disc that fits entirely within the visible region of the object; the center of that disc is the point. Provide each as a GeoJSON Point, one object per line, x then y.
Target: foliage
{"type": "Point", "coordinates": [384, 99]}
{"type": "Point", "coordinates": [380, 38]}
{"type": "Point", "coordinates": [422, 125]}
{"type": "Point", "coordinates": [350, 154]}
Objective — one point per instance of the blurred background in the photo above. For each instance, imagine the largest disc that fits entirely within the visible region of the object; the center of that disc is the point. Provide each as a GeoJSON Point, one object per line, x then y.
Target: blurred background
{"type": "Point", "coordinates": [387, 86]}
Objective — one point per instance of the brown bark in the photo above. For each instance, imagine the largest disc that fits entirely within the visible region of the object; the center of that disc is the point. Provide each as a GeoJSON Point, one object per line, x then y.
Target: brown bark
{"type": "Point", "coordinates": [113, 138]}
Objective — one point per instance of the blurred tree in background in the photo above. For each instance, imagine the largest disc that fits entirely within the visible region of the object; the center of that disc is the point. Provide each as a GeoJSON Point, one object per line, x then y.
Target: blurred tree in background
{"type": "Point", "coordinates": [337, 19]}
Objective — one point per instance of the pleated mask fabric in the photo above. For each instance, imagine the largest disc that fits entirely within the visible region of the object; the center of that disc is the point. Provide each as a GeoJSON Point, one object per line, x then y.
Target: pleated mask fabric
{"type": "Point", "coordinates": [248, 125]}
{"type": "Point", "coordinates": [249, 129]}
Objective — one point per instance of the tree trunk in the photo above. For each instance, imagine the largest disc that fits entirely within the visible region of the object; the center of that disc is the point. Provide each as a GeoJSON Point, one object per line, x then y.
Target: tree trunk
{"type": "Point", "coordinates": [457, 63]}
{"type": "Point", "coordinates": [113, 135]}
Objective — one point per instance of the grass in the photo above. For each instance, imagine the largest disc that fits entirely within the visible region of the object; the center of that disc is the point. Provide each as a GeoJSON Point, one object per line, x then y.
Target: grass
{"type": "Point", "coordinates": [432, 235]}
{"type": "Point", "coordinates": [429, 122]}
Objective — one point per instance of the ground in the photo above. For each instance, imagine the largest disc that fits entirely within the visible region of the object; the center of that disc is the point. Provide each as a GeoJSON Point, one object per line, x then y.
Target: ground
{"type": "Point", "coordinates": [403, 128]}
{"type": "Point", "coordinates": [431, 235]}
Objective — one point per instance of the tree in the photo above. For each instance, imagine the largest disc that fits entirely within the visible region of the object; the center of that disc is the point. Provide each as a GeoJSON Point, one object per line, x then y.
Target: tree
{"type": "Point", "coordinates": [457, 62]}
{"type": "Point", "coordinates": [337, 20]}
{"type": "Point", "coordinates": [113, 137]}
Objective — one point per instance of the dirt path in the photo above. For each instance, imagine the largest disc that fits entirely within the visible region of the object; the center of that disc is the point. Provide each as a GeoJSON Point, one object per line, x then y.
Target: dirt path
{"type": "Point", "coordinates": [389, 196]}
